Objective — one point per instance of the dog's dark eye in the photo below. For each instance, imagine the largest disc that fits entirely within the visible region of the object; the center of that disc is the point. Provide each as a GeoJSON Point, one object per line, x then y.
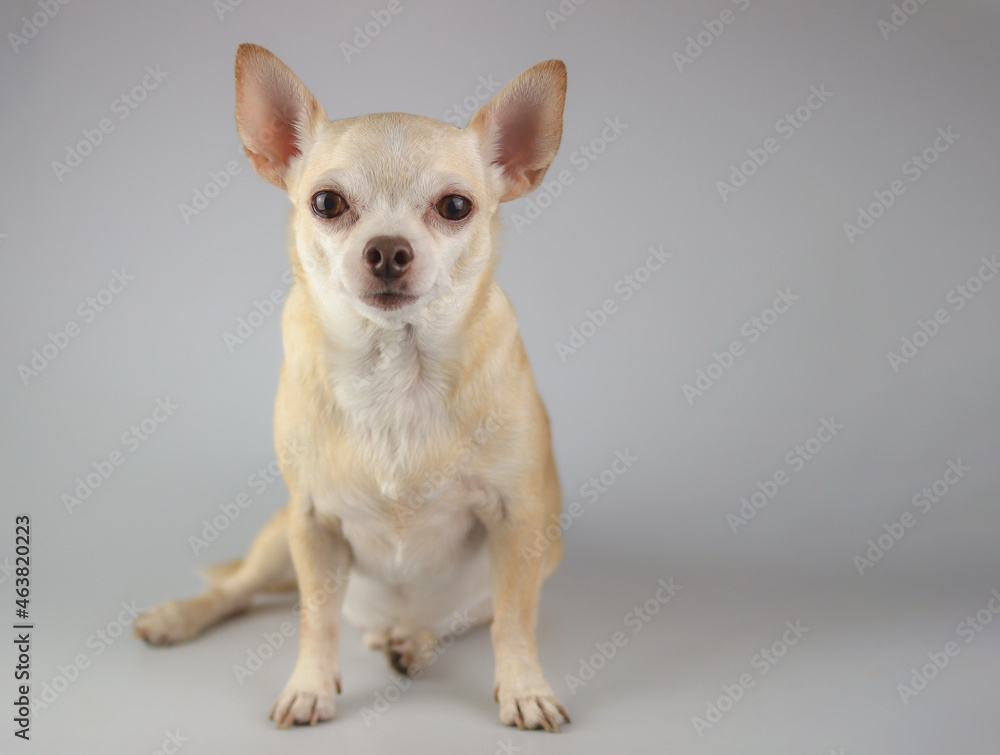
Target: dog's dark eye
{"type": "Point", "coordinates": [453, 207]}
{"type": "Point", "coordinates": [329, 204]}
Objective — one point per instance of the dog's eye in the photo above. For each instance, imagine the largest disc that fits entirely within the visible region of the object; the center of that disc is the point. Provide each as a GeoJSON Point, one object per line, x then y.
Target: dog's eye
{"type": "Point", "coordinates": [453, 207]}
{"type": "Point", "coordinates": [329, 204]}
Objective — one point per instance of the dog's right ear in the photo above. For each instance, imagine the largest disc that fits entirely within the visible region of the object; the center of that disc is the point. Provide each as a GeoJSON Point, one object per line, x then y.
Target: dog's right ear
{"type": "Point", "coordinates": [276, 115]}
{"type": "Point", "coordinates": [521, 127]}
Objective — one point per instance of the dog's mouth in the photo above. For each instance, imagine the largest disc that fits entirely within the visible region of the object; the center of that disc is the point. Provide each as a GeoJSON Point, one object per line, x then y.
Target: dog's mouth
{"type": "Point", "coordinates": [388, 300]}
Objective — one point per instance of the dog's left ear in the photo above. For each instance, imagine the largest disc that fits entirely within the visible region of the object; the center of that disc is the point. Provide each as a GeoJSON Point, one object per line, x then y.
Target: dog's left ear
{"type": "Point", "coordinates": [520, 128]}
{"type": "Point", "coordinates": [275, 114]}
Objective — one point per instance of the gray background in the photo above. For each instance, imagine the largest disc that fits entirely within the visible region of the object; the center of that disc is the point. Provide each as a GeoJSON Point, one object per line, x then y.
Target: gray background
{"type": "Point", "coordinates": [666, 517]}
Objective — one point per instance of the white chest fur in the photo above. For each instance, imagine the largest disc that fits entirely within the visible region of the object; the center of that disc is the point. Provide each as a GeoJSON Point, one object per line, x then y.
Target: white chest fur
{"type": "Point", "coordinates": [410, 510]}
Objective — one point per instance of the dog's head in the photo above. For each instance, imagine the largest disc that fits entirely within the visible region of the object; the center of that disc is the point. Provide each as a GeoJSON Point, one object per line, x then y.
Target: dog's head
{"type": "Point", "coordinates": [392, 210]}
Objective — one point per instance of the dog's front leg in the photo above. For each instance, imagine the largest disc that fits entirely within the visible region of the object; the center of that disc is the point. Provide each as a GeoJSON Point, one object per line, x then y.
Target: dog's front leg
{"type": "Point", "coordinates": [516, 566]}
{"type": "Point", "coordinates": [322, 559]}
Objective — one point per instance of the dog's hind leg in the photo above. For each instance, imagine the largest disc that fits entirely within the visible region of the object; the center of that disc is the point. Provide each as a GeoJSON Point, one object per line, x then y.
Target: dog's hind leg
{"type": "Point", "coordinates": [267, 567]}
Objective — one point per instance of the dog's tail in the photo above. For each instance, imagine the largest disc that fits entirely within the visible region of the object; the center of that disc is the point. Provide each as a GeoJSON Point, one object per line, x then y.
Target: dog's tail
{"type": "Point", "coordinates": [215, 573]}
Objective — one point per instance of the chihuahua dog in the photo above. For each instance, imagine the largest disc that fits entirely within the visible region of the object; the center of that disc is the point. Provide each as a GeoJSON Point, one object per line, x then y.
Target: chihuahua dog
{"type": "Point", "coordinates": [413, 442]}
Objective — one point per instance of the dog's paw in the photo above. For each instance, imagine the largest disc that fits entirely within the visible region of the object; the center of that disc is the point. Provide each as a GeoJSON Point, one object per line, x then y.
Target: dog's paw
{"type": "Point", "coordinates": [531, 709]}
{"type": "Point", "coordinates": [167, 623]}
{"type": "Point", "coordinates": [376, 639]}
{"type": "Point", "coordinates": [305, 705]}
{"type": "Point", "coordinates": [409, 651]}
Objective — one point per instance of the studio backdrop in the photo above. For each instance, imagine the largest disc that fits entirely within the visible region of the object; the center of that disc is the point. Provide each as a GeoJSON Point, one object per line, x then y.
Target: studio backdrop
{"type": "Point", "coordinates": [760, 291]}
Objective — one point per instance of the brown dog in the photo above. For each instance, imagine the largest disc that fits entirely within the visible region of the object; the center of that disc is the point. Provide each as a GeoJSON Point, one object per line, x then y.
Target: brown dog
{"type": "Point", "coordinates": [422, 464]}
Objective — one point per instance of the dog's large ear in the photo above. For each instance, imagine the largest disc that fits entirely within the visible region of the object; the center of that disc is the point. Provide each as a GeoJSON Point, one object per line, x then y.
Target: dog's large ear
{"type": "Point", "coordinates": [275, 113]}
{"type": "Point", "coordinates": [521, 126]}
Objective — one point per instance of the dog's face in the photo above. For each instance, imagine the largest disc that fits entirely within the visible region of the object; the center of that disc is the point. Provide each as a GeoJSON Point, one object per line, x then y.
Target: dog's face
{"type": "Point", "coordinates": [392, 211]}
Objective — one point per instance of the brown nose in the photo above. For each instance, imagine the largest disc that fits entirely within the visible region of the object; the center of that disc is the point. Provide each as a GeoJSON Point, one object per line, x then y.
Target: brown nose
{"type": "Point", "coordinates": [388, 257]}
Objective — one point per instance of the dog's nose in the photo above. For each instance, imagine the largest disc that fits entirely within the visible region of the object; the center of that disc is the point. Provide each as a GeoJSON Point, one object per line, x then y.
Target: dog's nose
{"type": "Point", "coordinates": [388, 257]}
